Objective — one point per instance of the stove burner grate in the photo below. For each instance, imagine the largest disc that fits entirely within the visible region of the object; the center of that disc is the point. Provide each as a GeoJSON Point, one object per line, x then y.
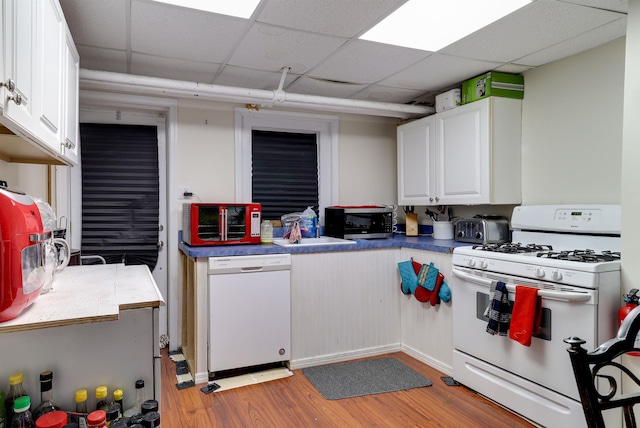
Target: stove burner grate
{"type": "Point", "coordinates": [584, 256]}
{"type": "Point", "coordinates": [513, 248]}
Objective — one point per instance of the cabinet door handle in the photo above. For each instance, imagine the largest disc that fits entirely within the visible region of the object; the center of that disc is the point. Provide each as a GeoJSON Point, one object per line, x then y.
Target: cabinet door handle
{"type": "Point", "coordinates": [17, 98]}
{"type": "Point", "coordinates": [437, 199]}
{"type": "Point", "coordinates": [9, 84]}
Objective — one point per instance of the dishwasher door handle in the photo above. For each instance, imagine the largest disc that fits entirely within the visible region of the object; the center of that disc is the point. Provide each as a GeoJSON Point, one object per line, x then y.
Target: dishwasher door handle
{"type": "Point", "coordinates": [252, 269]}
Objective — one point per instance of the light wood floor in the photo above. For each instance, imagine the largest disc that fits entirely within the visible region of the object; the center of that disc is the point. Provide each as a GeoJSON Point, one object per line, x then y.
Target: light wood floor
{"type": "Point", "coordinates": [294, 402]}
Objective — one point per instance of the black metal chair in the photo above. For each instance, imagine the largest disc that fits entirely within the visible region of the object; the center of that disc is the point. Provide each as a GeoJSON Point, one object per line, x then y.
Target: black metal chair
{"type": "Point", "coordinates": [587, 367]}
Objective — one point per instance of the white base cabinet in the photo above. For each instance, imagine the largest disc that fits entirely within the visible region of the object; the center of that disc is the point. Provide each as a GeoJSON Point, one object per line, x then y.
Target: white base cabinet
{"type": "Point", "coordinates": [469, 155]}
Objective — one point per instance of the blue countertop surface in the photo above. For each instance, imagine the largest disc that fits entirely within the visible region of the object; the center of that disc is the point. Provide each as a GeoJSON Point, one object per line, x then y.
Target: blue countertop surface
{"type": "Point", "coordinates": [397, 241]}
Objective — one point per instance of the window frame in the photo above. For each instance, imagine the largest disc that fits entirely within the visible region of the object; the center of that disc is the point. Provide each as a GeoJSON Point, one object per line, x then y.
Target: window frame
{"type": "Point", "coordinates": [324, 126]}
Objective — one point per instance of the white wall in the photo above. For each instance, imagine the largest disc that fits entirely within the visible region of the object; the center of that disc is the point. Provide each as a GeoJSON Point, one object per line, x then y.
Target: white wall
{"type": "Point", "coordinates": [572, 129]}
{"type": "Point", "coordinates": [206, 154]}
{"type": "Point", "coordinates": [28, 178]}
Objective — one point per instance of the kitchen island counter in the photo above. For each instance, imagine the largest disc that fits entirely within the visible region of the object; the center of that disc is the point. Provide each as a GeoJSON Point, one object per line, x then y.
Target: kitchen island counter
{"type": "Point", "coordinates": [397, 241]}
{"type": "Point", "coordinates": [98, 325]}
{"type": "Point", "coordinates": [86, 294]}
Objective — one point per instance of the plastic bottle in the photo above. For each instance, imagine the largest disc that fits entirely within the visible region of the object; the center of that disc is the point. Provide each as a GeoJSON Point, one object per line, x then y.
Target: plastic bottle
{"type": "Point", "coordinates": [151, 420]}
{"type": "Point", "coordinates": [46, 396]}
{"type": "Point", "coordinates": [118, 395]}
{"type": "Point", "coordinates": [97, 419]}
{"type": "Point", "coordinates": [81, 401]}
{"type": "Point", "coordinates": [101, 397]}
{"type": "Point", "coordinates": [149, 406]}
{"type": "Point", "coordinates": [140, 398]}
{"type": "Point", "coordinates": [266, 232]}
{"type": "Point", "coordinates": [16, 389]}
{"type": "Point", "coordinates": [22, 417]}
{"type": "Point", "coordinates": [81, 407]}
{"type": "Point", "coordinates": [113, 411]}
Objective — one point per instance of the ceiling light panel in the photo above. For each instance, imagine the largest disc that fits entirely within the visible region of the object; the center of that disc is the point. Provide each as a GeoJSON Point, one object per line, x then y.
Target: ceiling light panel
{"type": "Point", "coordinates": [432, 25]}
{"type": "Point", "coordinates": [237, 8]}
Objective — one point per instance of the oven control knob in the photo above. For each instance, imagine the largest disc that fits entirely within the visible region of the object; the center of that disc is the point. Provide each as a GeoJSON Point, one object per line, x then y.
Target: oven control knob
{"type": "Point", "coordinates": [471, 263]}
{"type": "Point", "coordinates": [483, 264]}
{"type": "Point", "coordinates": [556, 276]}
{"type": "Point", "coordinates": [539, 273]}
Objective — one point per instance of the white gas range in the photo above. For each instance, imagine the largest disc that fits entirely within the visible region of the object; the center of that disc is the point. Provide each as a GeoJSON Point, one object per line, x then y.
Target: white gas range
{"type": "Point", "coordinates": [572, 255]}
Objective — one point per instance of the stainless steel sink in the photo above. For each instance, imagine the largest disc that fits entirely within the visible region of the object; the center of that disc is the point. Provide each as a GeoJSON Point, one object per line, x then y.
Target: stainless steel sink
{"type": "Point", "coordinates": [323, 240]}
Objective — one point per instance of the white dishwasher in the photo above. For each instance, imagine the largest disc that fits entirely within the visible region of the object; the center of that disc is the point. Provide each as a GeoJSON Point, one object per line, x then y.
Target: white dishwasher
{"type": "Point", "coordinates": [249, 311]}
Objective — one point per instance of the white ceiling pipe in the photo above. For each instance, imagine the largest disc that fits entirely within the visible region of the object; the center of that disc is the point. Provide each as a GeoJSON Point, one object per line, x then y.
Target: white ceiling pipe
{"type": "Point", "coordinates": [109, 81]}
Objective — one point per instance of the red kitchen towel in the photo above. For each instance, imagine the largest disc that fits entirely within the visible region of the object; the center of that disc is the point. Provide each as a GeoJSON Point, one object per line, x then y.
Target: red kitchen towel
{"type": "Point", "coordinates": [526, 315]}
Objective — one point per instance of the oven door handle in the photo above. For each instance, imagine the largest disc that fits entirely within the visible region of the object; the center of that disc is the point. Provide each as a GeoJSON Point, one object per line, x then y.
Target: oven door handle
{"type": "Point", "coordinates": [566, 296]}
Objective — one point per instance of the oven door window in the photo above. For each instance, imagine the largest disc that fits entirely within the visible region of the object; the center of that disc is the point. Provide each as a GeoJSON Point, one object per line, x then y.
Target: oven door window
{"type": "Point", "coordinates": [209, 223]}
{"type": "Point", "coordinates": [482, 303]}
{"type": "Point", "coordinates": [355, 223]}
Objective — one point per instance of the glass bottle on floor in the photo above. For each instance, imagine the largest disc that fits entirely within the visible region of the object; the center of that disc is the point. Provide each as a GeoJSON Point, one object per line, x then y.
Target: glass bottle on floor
{"type": "Point", "coordinates": [46, 396]}
{"type": "Point", "coordinates": [16, 389]}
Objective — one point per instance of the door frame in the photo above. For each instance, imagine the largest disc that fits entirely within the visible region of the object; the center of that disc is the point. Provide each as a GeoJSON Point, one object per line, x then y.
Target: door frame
{"type": "Point", "coordinates": [141, 110]}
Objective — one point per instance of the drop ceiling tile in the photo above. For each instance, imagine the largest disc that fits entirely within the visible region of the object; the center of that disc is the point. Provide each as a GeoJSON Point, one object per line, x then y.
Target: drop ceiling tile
{"type": "Point", "coordinates": [97, 23]}
{"type": "Point", "coordinates": [169, 31]}
{"type": "Point", "coordinates": [615, 5]}
{"type": "Point", "coordinates": [387, 94]}
{"type": "Point", "coordinates": [367, 62]}
{"type": "Point", "coordinates": [171, 68]}
{"type": "Point", "coordinates": [438, 71]}
{"type": "Point", "coordinates": [309, 86]}
{"type": "Point", "coordinates": [102, 59]}
{"type": "Point", "coordinates": [513, 68]}
{"type": "Point", "coordinates": [254, 79]}
{"type": "Point", "coordinates": [590, 39]}
{"type": "Point", "coordinates": [541, 24]}
{"type": "Point", "coordinates": [332, 17]}
{"type": "Point", "coordinates": [270, 48]}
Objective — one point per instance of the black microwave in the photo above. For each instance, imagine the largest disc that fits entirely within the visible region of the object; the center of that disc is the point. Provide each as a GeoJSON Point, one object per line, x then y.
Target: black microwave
{"type": "Point", "coordinates": [358, 222]}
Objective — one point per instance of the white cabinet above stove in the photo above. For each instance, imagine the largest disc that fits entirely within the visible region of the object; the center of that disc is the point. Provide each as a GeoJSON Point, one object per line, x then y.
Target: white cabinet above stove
{"type": "Point", "coordinates": [469, 155]}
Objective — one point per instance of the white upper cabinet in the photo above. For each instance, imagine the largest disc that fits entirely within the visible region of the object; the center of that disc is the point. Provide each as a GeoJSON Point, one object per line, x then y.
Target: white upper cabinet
{"type": "Point", "coordinates": [416, 161]}
{"type": "Point", "coordinates": [36, 81]}
{"type": "Point", "coordinates": [72, 75]}
{"type": "Point", "coordinates": [2, 79]}
{"type": "Point", "coordinates": [19, 61]}
{"type": "Point", "coordinates": [50, 31]}
{"type": "Point", "coordinates": [469, 155]}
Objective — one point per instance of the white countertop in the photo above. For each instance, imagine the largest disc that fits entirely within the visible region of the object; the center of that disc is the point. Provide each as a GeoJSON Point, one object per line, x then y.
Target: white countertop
{"type": "Point", "coordinates": [85, 294]}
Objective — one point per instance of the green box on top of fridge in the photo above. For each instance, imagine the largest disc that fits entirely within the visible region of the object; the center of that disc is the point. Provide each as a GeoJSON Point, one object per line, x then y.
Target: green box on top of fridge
{"type": "Point", "coordinates": [493, 84]}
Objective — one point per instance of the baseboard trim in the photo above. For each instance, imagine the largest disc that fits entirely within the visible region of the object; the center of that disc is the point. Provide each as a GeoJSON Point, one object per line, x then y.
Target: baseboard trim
{"type": "Point", "coordinates": [436, 364]}
{"type": "Point", "coordinates": [344, 356]}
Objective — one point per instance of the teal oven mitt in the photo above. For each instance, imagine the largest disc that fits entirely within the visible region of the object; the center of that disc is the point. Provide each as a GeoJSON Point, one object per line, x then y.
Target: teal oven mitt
{"type": "Point", "coordinates": [408, 276]}
{"type": "Point", "coordinates": [428, 276]}
{"type": "Point", "coordinates": [445, 292]}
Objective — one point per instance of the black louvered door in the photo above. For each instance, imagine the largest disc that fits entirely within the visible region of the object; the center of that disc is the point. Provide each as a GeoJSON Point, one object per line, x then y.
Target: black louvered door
{"type": "Point", "coordinates": [120, 193]}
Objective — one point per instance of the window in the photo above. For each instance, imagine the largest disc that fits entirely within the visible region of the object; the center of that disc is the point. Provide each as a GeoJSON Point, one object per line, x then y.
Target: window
{"type": "Point", "coordinates": [284, 172]}
{"type": "Point", "coordinates": [323, 127]}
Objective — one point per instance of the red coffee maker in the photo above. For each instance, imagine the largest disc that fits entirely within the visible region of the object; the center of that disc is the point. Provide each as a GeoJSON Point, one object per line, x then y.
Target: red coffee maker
{"type": "Point", "coordinates": [23, 249]}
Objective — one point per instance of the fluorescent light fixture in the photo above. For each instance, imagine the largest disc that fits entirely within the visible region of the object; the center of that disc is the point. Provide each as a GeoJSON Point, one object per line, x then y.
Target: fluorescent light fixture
{"type": "Point", "coordinates": [238, 8]}
{"type": "Point", "coordinates": [430, 25]}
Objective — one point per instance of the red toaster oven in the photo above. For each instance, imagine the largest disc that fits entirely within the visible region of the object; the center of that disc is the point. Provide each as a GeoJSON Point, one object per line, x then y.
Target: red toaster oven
{"type": "Point", "coordinates": [221, 224]}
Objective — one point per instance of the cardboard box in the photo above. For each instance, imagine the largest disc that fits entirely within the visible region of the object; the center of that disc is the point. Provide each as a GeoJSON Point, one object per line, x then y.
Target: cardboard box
{"type": "Point", "coordinates": [448, 100]}
{"type": "Point", "coordinates": [493, 84]}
